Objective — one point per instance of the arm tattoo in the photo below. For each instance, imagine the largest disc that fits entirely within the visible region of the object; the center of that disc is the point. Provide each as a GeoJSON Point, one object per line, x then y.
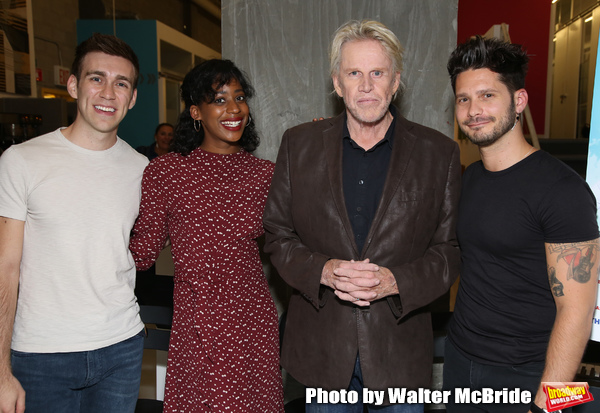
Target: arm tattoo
{"type": "Point", "coordinates": [555, 285]}
{"type": "Point", "coordinates": [580, 258]}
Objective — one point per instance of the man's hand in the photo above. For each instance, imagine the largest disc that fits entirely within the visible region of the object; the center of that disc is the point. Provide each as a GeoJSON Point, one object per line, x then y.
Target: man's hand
{"type": "Point", "coordinates": [12, 395]}
{"type": "Point", "coordinates": [359, 282]}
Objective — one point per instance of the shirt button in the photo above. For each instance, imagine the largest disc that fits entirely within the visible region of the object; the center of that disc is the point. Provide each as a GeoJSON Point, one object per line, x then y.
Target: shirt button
{"type": "Point", "coordinates": [360, 182]}
{"type": "Point", "coordinates": [359, 209]}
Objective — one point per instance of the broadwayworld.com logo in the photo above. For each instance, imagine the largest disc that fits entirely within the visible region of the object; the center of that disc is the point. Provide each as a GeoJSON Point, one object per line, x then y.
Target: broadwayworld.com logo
{"type": "Point", "coordinates": [563, 395]}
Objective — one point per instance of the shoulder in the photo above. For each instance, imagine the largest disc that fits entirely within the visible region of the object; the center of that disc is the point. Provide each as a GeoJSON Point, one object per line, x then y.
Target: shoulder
{"type": "Point", "coordinates": [132, 156]}
{"type": "Point", "coordinates": [168, 161]}
{"type": "Point", "coordinates": [310, 130]}
{"type": "Point", "coordinates": [35, 149]}
{"type": "Point", "coordinates": [563, 195]}
{"type": "Point", "coordinates": [47, 139]}
{"type": "Point", "coordinates": [165, 169]}
{"type": "Point", "coordinates": [258, 164]}
{"type": "Point", "coordinates": [424, 135]}
{"type": "Point", "coordinates": [264, 163]}
{"type": "Point", "coordinates": [548, 172]}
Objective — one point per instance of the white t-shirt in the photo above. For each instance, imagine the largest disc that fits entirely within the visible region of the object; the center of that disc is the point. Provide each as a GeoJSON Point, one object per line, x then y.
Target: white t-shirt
{"type": "Point", "coordinates": [77, 274]}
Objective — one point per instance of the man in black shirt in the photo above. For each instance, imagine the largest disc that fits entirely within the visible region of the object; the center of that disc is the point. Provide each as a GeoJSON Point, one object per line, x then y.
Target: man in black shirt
{"type": "Point", "coordinates": [529, 243]}
{"type": "Point", "coordinates": [360, 221]}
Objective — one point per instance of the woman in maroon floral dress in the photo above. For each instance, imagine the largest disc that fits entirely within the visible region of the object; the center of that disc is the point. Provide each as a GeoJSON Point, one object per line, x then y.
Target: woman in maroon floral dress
{"type": "Point", "coordinates": [208, 197]}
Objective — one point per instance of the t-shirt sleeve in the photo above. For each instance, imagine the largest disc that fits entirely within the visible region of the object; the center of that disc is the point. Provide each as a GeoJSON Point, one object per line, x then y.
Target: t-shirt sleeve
{"type": "Point", "coordinates": [13, 185]}
{"type": "Point", "coordinates": [568, 212]}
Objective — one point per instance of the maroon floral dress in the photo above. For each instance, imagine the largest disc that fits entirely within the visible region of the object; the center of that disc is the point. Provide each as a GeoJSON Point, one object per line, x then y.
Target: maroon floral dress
{"type": "Point", "coordinates": [224, 348]}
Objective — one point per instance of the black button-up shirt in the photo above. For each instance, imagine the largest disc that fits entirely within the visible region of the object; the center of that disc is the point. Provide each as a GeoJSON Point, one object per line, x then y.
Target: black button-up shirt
{"type": "Point", "coordinates": [364, 174]}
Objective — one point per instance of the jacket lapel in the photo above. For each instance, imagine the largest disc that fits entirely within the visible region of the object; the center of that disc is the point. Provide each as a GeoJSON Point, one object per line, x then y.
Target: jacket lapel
{"type": "Point", "coordinates": [332, 143]}
{"type": "Point", "coordinates": [404, 142]}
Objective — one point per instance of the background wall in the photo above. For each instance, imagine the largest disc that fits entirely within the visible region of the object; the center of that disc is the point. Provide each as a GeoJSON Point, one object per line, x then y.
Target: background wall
{"type": "Point", "coordinates": [283, 46]}
{"type": "Point", "coordinates": [55, 28]}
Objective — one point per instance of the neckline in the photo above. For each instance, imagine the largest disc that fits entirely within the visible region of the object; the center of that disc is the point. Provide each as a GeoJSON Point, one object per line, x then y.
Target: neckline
{"type": "Point", "coordinates": [526, 159]}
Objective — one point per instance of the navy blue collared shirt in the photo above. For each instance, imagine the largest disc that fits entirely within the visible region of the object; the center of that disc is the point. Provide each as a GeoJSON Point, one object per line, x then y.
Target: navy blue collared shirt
{"type": "Point", "coordinates": [364, 174]}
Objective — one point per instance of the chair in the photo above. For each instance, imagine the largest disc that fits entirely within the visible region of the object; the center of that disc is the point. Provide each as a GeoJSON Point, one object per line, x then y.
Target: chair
{"type": "Point", "coordinates": [158, 322]}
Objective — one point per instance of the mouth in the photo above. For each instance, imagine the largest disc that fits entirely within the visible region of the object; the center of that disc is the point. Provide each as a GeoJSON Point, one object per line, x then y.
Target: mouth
{"type": "Point", "coordinates": [367, 101]}
{"type": "Point", "coordinates": [232, 124]}
{"type": "Point", "coordinates": [477, 123]}
{"type": "Point", "coordinates": [105, 109]}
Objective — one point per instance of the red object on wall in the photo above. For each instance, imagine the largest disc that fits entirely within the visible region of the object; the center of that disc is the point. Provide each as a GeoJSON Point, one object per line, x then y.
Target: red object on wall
{"type": "Point", "coordinates": [38, 75]}
{"type": "Point", "coordinates": [528, 25]}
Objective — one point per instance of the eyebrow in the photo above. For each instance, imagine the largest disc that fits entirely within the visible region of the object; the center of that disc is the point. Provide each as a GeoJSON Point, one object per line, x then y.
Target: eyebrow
{"type": "Point", "coordinates": [103, 74]}
{"type": "Point", "coordinates": [376, 69]}
{"type": "Point", "coordinates": [478, 92]}
{"type": "Point", "coordinates": [220, 92]}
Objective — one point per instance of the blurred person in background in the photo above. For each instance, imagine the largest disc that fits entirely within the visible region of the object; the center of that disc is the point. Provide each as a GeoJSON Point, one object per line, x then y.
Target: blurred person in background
{"type": "Point", "coordinates": [163, 135]}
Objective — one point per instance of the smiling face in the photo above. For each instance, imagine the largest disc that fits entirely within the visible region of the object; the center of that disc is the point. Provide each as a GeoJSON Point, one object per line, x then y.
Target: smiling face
{"type": "Point", "coordinates": [104, 93]}
{"type": "Point", "coordinates": [366, 80]}
{"type": "Point", "coordinates": [224, 119]}
{"type": "Point", "coordinates": [485, 109]}
{"type": "Point", "coordinates": [163, 138]}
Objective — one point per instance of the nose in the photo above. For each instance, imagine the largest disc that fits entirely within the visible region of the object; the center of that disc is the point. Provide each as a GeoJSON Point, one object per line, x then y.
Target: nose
{"type": "Point", "coordinates": [474, 109]}
{"type": "Point", "coordinates": [233, 106]}
{"type": "Point", "coordinates": [108, 92]}
{"type": "Point", "coordinates": [366, 84]}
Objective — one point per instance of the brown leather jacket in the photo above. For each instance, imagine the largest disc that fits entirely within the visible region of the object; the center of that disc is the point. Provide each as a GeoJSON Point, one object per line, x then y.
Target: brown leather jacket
{"type": "Point", "coordinates": [412, 234]}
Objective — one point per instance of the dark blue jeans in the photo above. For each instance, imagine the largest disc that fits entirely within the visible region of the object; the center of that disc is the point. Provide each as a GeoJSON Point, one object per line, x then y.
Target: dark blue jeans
{"type": "Point", "coordinates": [98, 381]}
{"type": "Point", "coordinates": [460, 372]}
{"type": "Point", "coordinates": [356, 384]}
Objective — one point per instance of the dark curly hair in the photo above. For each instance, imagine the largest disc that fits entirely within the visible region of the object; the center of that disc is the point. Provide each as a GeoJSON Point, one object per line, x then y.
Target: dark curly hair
{"type": "Point", "coordinates": [508, 60]}
{"type": "Point", "coordinates": [199, 86]}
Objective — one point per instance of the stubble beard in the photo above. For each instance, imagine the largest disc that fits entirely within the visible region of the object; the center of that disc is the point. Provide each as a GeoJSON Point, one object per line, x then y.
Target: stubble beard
{"type": "Point", "coordinates": [504, 125]}
{"type": "Point", "coordinates": [370, 117]}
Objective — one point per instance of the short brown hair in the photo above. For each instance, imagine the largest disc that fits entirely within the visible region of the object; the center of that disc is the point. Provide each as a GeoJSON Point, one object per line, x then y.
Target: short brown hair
{"type": "Point", "coordinates": [108, 44]}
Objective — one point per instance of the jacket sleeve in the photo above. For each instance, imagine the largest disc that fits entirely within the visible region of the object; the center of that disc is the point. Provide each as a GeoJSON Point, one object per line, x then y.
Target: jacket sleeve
{"type": "Point", "coordinates": [422, 281]}
{"type": "Point", "coordinates": [299, 266]}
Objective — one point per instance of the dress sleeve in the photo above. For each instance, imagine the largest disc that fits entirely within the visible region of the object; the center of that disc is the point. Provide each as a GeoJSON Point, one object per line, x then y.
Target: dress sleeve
{"type": "Point", "coordinates": [150, 230]}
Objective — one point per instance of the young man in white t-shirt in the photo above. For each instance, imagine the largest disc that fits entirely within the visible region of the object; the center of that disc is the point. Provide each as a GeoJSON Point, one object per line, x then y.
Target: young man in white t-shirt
{"type": "Point", "coordinates": [71, 339]}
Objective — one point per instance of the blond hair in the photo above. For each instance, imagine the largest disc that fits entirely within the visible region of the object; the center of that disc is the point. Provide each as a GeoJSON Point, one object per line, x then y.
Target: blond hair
{"type": "Point", "coordinates": [355, 30]}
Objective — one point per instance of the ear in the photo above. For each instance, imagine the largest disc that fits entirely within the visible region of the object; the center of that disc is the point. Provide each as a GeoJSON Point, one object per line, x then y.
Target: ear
{"type": "Point", "coordinates": [133, 99]}
{"type": "Point", "coordinates": [396, 82]}
{"type": "Point", "coordinates": [195, 112]}
{"type": "Point", "coordinates": [521, 98]}
{"type": "Point", "coordinates": [336, 85]}
{"type": "Point", "coordinates": [72, 86]}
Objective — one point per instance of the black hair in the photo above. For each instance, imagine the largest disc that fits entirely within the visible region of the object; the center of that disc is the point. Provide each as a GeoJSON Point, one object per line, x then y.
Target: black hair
{"type": "Point", "coordinates": [108, 44]}
{"type": "Point", "coordinates": [200, 86]}
{"type": "Point", "coordinates": [160, 125]}
{"type": "Point", "coordinates": [508, 60]}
